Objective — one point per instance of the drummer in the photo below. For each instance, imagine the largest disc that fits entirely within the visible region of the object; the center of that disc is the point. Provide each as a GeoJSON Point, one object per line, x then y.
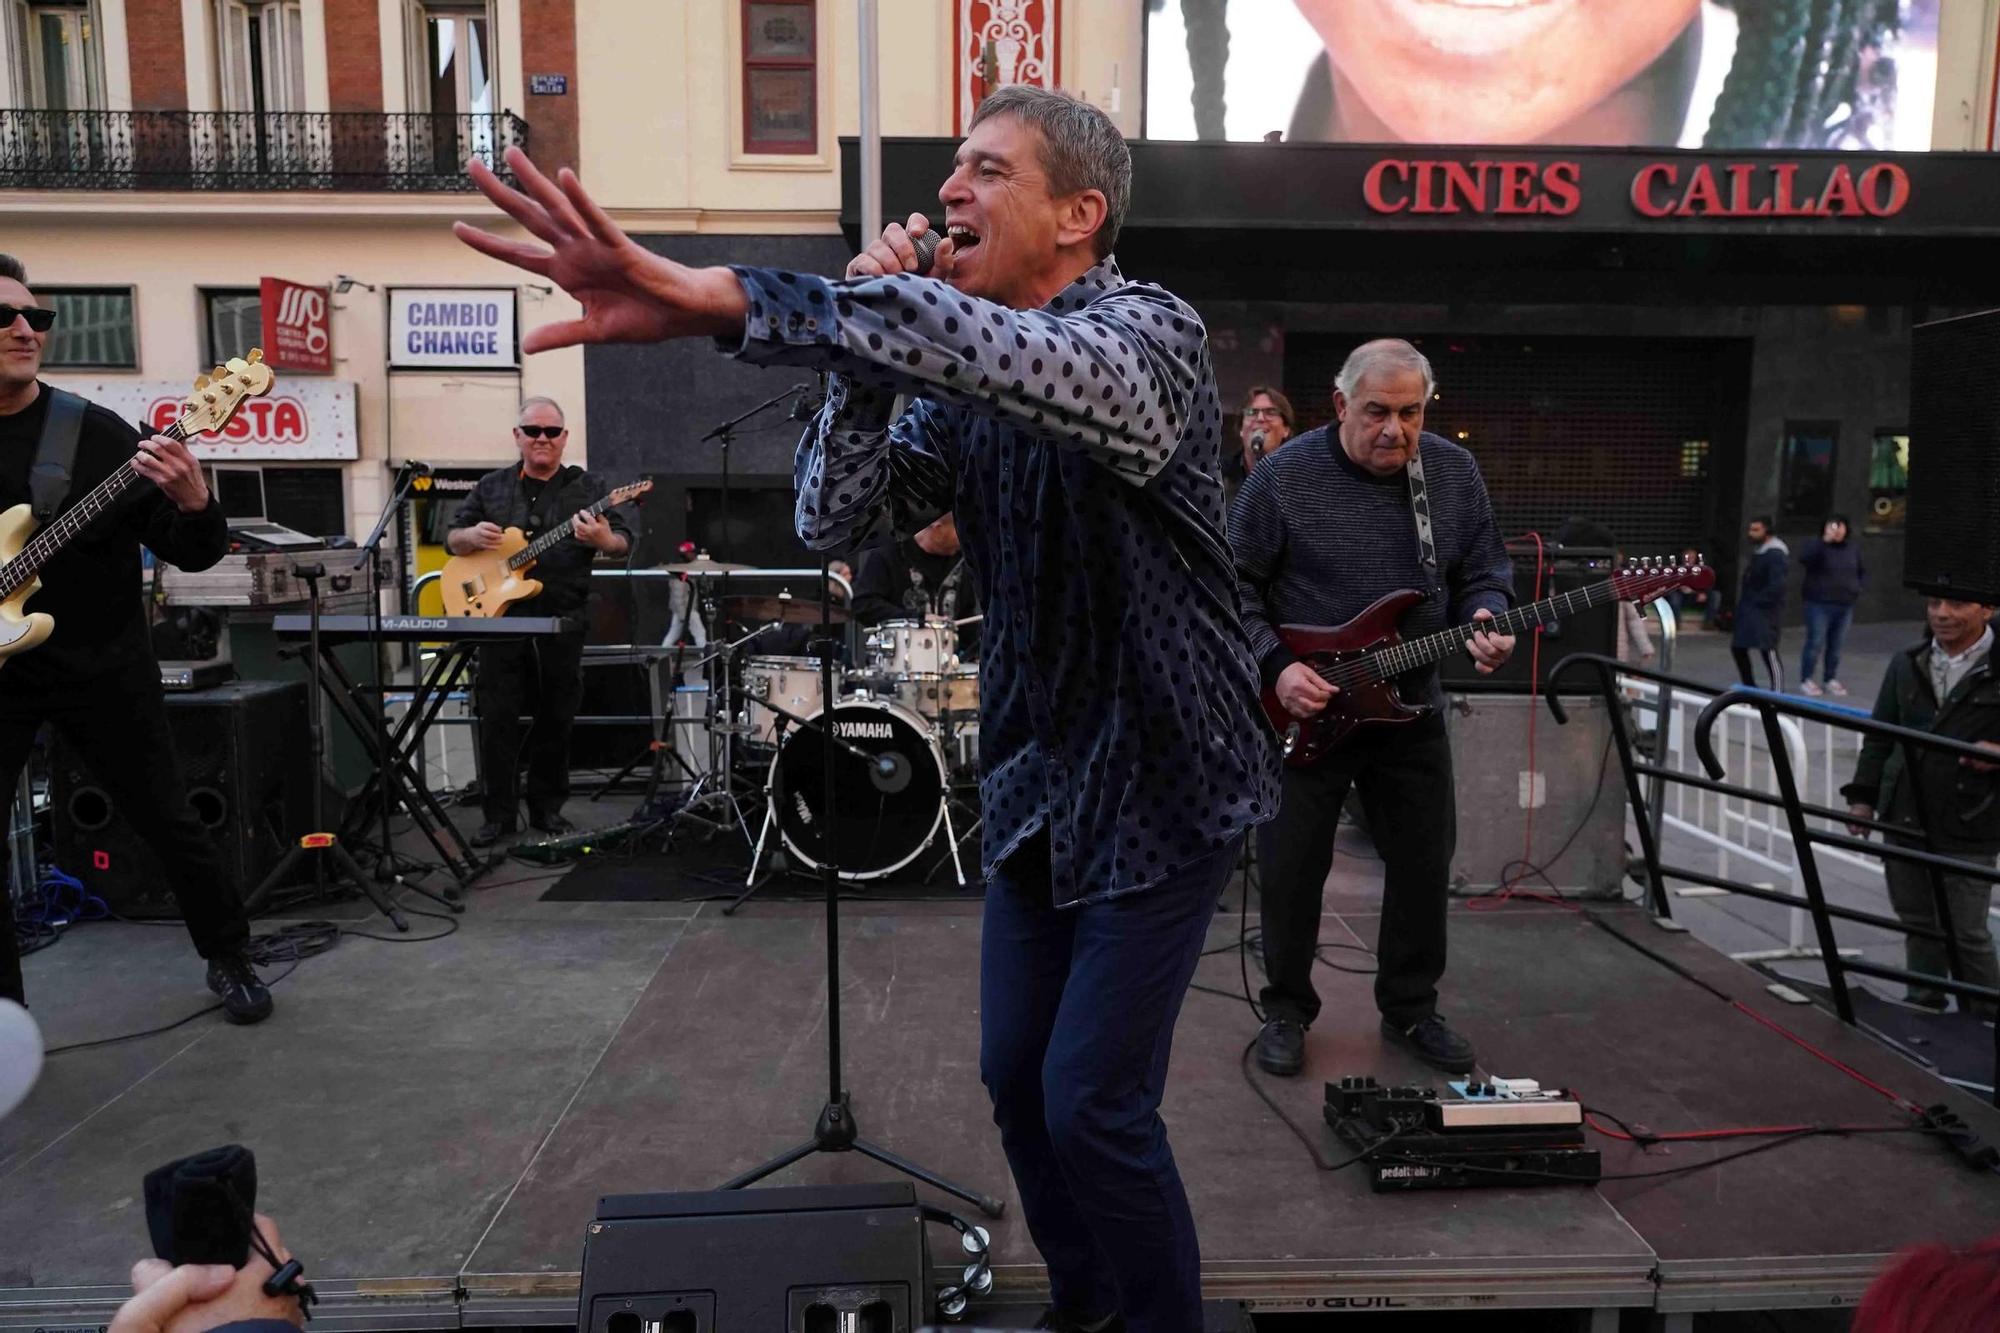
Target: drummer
{"type": "Point", "coordinates": [795, 640]}
{"type": "Point", "coordinates": [920, 576]}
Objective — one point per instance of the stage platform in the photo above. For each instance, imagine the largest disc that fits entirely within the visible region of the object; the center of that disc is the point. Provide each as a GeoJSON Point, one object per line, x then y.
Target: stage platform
{"type": "Point", "coordinates": [435, 1120]}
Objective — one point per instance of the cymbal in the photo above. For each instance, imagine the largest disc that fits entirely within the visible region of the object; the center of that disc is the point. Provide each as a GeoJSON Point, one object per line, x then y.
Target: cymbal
{"type": "Point", "coordinates": [789, 610]}
{"type": "Point", "coordinates": [704, 565]}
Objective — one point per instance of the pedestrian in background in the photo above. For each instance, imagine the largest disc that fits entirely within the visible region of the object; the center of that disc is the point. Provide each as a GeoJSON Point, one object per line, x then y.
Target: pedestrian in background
{"type": "Point", "coordinates": [1760, 604]}
{"type": "Point", "coordinates": [1944, 685]}
{"type": "Point", "coordinates": [1834, 579]}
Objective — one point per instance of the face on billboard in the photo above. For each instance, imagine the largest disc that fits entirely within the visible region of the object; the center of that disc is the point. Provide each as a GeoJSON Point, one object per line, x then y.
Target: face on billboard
{"type": "Point", "coordinates": [1611, 72]}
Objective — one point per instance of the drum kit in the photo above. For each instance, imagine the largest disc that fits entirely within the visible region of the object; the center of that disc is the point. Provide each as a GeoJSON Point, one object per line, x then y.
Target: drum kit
{"type": "Point", "coordinates": [904, 723]}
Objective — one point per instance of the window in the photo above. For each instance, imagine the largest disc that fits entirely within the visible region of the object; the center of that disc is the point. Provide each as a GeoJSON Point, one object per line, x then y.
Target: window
{"type": "Point", "coordinates": [1888, 481]}
{"type": "Point", "coordinates": [780, 77]}
{"type": "Point", "coordinates": [452, 69]}
{"type": "Point", "coordinates": [260, 45]}
{"type": "Point", "coordinates": [1805, 480]}
{"type": "Point", "coordinates": [94, 328]}
{"type": "Point", "coordinates": [61, 64]}
{"type": "Point", "coordinates": [232, 321]}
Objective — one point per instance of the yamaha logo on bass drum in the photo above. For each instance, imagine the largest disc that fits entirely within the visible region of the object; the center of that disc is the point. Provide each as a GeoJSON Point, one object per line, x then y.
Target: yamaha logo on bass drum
{"type": "Point", "coordinates": [869, 731]}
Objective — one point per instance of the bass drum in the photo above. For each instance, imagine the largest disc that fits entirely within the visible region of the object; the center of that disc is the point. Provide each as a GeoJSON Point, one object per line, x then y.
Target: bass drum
{"type": "Point", "coordinates": [885, 818]}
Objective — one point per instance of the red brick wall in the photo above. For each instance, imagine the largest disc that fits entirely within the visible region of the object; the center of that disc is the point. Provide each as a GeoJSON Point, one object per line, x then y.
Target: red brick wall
{"type": "Point", "coordinates": [353, 55]}
{"type": "Point", "coordinates": [548, 45]}
{"type": "Point", "coordinates": [158, 57]}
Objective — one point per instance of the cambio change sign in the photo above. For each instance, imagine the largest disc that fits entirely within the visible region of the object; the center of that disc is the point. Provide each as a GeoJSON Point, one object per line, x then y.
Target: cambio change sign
{"type": "Point", "coordinates": [453, 328]}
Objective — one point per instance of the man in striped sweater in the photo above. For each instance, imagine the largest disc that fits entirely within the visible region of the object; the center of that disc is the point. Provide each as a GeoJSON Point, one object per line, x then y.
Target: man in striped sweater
{"type": "Point", "coordinates": [1321, 530]}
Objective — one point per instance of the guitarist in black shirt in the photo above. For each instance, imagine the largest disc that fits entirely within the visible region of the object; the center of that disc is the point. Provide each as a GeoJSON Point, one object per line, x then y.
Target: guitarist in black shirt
{"type": "Point", "coordinates": [95, 680]}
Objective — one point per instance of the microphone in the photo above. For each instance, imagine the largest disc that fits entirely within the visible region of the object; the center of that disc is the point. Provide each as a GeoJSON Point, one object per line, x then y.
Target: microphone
{"type": "Point", "coordinates": [806, 406]}
{"type": "Point", "coordinates": [926, 244]}
{"type": "Point", "coordinates": [412, 468]}
{"type": "Point", "coordinates": [1257, 443]}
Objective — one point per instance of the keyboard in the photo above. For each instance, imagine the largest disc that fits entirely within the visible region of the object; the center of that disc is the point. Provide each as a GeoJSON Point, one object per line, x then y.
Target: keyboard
{"type": "Point", "coordinates": [347, 628]}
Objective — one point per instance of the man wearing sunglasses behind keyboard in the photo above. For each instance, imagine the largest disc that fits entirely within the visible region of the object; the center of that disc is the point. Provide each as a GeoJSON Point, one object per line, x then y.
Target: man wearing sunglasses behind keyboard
{"type": "Point", "coordinates": [541, 677]}
{"type": "Point", "coordinates": [94, 680]}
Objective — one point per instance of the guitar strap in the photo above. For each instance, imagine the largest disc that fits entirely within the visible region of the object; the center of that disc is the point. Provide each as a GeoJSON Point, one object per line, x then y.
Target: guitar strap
{"type": "Point", "coordinates": [49, 480]}
{"type": "Point", "coordinates": [538, 512]}
{"type": "Point", "coordinates": [1420, 505]}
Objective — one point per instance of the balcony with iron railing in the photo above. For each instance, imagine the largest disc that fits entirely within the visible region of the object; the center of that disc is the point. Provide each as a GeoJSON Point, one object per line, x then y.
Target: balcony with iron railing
{"type": "Point", "coordinates": [234, 151]}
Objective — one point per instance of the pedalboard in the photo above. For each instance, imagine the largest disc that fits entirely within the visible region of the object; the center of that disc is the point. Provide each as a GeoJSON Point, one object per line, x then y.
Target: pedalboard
{"type": "Point", "coordinates": [1477, 1134]}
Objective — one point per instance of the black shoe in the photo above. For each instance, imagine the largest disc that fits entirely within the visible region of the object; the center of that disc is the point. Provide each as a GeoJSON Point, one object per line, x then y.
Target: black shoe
{"type": "Point", "coordinates": [554, 825]}
{"type": "Point", "coordinates": [1055, 1319]}
{"type": "Point", "coordinates": [492, 831]}
{"type": "Point", "coordinates": [245, 997]}
{"type": "Point", "coordinates": [1281, 1047]}
{"type": "Point", "coordinates": [1433, 1042]}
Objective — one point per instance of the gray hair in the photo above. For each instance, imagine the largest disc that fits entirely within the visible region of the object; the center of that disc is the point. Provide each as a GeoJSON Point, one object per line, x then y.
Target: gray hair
{"type": "Point", "coordinates": [539, 401]}
{"type": "Point", "coordinates": [1383, 354]}
{"type": "Point", "coordinates": [1081, 148]}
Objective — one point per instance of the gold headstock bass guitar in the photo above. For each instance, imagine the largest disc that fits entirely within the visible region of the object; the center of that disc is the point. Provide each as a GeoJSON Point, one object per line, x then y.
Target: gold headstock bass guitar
{"type": "Point", "coordinates": [486, 583]}
{"type": "Point", "coordinates": [23, 550]}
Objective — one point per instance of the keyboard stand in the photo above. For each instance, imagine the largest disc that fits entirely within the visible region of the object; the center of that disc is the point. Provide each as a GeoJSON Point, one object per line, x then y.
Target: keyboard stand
{"type": "Point", "coordinates": [398, 776]}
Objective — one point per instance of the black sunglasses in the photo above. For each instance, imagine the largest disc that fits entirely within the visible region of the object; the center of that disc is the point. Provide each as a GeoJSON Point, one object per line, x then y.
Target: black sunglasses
{"type": "Point", "coordinates": [534, 432]}
{"type": "Point", "coordinates": [40, 318]}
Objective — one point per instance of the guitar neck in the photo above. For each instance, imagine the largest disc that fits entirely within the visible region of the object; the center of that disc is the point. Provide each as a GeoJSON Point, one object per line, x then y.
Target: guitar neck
{"type": "Point", "coordinates": [1430, 648]}
{"type": "Point", "coordinates": [529, 553]}
{"type": "Point", "coordinates": [22, 568]}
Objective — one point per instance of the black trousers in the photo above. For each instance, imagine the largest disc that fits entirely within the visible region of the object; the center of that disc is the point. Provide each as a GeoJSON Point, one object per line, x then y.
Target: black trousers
{"type": "Point", "coordinates": [543, 679]}
{"type": "Point", "coordinates": [117, 726]}
{"type": "Point", "coordinates": [1403, 776]}
{"type": "Point", "coordinates": [1774, 672]}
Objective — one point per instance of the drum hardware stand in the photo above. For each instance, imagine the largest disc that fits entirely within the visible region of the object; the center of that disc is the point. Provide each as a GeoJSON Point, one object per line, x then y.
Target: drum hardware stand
{"type": "Point", "coordinates": [722, 752]}
{"type": "Point", "coordinates": [835, 1130]}
{"type": "Point", "coordinates": [317, 842]}
{"type": "Point", "coordinates": [665, 742]}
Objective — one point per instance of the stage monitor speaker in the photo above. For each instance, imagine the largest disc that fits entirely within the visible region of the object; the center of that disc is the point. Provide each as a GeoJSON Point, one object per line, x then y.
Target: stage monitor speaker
{"type": "Point", "coordinates": [244, 757]}
{"type": "Point", "coordinates": [800, 1259]}
{"type": "Point", "coordinates": [1592, 631]}
{"type": "Point", "coordinates": [1951, 544]}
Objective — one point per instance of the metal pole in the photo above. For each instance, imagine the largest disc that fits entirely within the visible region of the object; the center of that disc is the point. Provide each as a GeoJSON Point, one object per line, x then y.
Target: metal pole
{"type": "Point", "coordinates": [871, 127]}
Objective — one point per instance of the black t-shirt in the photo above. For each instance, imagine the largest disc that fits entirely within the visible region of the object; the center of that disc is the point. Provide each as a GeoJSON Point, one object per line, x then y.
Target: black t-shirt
{"type": "Point", "coordinates": [506, 497]}
{"type": "Point", "coordinates": [92, 586]}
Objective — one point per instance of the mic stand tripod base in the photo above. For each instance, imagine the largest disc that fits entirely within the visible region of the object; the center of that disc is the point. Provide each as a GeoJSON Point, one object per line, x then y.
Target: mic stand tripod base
{"type": "Point", "coordinates": [323, 847]}
{"type": "Point", "coordinates": [835, 1131]}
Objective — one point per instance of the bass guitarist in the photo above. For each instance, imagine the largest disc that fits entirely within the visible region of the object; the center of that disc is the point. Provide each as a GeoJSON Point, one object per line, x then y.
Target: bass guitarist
{"type": "Point", "coordinates": [94, 680]}
{"type": "Point", "coordinates": [540, 677]}
{"type": "Point", "coordinates": [1321, 529]}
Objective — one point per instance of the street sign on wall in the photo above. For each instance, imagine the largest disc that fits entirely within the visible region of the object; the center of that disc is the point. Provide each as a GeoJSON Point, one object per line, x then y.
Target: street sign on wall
{"type": "Point", "coordinates": [297, 334]}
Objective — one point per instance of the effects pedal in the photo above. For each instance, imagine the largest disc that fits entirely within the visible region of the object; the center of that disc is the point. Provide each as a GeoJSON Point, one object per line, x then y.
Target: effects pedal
{"type": "Point", "coordinates": [1504, 1132]}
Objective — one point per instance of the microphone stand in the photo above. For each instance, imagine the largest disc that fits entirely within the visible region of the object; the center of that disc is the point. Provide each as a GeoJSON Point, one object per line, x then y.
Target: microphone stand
{"type": "Point", "coordinates": [836, 1130]}
{"type": "Point", "coordinates": [392, 786]}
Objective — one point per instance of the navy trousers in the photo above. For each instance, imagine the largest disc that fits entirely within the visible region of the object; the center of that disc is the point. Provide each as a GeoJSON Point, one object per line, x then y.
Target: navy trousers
{"type": "Point", "coordinates": [1077, 1010]}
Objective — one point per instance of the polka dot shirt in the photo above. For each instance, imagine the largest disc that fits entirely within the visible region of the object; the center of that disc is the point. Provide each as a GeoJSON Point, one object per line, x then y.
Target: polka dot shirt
{"type": "Point", "coordinates": [1080, 447]}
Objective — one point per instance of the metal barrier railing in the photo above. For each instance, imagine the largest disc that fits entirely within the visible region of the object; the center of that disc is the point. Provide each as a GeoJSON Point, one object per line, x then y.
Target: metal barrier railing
{"type": "Point", "coordinates": [1900, 841]}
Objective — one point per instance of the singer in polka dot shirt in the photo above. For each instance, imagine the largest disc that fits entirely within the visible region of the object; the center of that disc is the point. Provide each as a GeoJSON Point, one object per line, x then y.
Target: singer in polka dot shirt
{"type": "Point", "coordinates": [1069, 418]}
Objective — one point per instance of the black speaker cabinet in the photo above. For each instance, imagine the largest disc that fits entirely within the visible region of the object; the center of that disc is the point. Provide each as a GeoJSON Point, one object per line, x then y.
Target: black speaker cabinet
{"type": "Point", "coordinates": [244, 755]}
{"type": "Point", "coordinates": [1951, 544]}
{"type": "Point", "coordinates": [1591, 631]}
{"type": "Point", "coordinates": [804, 1260]}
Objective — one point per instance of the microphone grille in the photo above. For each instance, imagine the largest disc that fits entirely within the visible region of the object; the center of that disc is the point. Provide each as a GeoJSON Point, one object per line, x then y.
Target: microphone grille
{"type": "Point", "coordinates": [926, 246]}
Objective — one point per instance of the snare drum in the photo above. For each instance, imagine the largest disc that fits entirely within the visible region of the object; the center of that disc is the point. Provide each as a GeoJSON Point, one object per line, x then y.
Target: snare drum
{"type": "Point", "coordinates": [792, 683]}
{"type": "Point", "coordinates": [901, 648]}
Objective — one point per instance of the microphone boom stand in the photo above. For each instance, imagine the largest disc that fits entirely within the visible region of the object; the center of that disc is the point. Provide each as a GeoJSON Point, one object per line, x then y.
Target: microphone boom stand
{"type": "Point", "coordinates": [392, 788]}
{"type": "Point", "coordinates": [835, 1130]}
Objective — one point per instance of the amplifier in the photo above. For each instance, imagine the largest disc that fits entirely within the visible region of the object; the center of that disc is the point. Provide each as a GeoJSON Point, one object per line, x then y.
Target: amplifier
{"type": "Point", "coordinates": [183, 677]}
{"type": "Point", "coordinates": [1594, 630]}
{"type": "Point", "coordinates": [797, 1259]}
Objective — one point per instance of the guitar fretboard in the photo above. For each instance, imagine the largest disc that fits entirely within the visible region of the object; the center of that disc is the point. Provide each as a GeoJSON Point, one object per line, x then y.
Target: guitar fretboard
{"type": "Point", "coordinates": [529, 553]}
{"type": "Point", "coordinates": [1426, 649]}
{"type": "Point", "coordinates": [16, 573]}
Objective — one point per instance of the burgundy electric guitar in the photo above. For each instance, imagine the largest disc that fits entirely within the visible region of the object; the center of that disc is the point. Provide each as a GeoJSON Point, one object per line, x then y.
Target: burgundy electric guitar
{"type": "Point", "coordinates": [1363, 657]}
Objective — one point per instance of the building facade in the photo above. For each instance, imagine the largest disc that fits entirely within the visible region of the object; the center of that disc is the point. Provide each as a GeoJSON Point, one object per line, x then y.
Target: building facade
{"type": "Point", "coordinates": [160, 158]}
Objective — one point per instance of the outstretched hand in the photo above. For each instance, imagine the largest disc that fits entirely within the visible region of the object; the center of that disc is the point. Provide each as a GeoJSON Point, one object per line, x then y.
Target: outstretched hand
{"type": "Point", "coordinates": [628, 293]}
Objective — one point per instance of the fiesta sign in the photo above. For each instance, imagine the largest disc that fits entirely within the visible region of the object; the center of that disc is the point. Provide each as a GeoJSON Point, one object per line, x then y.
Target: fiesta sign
{"type": "Point", "coordinates": [452, 328]}
{"type": "Point", "coordinates": [304, 420]}
{"type": "Point", "coordinates": [1657, 190]}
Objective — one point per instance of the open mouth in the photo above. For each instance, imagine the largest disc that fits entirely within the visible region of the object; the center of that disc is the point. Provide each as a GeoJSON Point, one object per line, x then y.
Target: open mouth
{"type": "Point", "coordinates": [963, 238]}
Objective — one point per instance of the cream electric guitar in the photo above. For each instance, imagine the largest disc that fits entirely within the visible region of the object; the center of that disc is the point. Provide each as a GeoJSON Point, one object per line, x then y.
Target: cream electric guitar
{"type": "Point", "coordinates": [486, 583]}
{"type": "Point", "coordinates": [23, 551]}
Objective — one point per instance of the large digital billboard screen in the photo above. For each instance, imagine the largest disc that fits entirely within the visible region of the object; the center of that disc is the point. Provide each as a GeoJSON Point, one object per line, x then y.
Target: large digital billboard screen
{"type": "Point", "coordinates": [1809, 74]}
